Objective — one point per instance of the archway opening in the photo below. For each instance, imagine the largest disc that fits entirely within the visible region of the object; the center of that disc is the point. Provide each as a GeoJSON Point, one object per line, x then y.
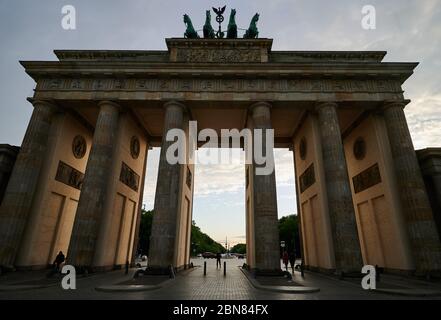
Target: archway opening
{"type": "Point", "coordinates": [219, 207]}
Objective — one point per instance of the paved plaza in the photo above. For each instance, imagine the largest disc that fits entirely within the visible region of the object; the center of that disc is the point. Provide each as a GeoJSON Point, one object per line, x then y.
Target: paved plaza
{"type": "Point", "coordinates": [192, 285]}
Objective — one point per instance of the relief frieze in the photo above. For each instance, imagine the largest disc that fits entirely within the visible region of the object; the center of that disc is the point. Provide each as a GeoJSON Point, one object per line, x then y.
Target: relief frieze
{"type": "Point", "coordinates": [221, 85]}
{"type": "Point", "coordinates": [216, 55]}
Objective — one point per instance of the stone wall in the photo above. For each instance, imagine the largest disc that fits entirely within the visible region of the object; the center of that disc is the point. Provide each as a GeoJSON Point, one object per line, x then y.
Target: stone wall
{"type": "Point", "coordinates": [49, 224]}
{"type": "Point", "coordinates": [316, 229]}
{"type": "Point", "coordinates": [381, 226]}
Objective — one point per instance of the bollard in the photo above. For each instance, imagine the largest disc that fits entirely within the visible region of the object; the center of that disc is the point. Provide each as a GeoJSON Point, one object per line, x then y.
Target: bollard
{"type": "Point", "coordinates": [301, 270]}
{"type": "Point", "coordinates": [225, 268]}
{"type": "Point", "coordinates": [205, 268]}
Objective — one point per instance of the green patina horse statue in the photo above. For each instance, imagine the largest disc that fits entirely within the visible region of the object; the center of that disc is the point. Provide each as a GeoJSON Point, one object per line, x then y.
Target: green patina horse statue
{"type": "Point", "coordinates": [252, 31]}
{"type": "Point", "coordinates": [190, 33]}
{"type": "Point", "coordinates": [232, 27]}
{"type": "Point", "coordinates": [208, 29]}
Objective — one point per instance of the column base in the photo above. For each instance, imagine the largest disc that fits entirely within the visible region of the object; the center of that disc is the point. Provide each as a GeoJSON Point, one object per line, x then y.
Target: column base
{"type": "Point", "coordinates": [5, 269]}
{"type": "Point", "coordinates": [336, 272]}
{"type": "Point", "coordinates": [33, 267]}
{"type": "Point", "coordinates": [428, 275]}
{"type": "Point", "coordinates": [267, 272]}
{"type": "Point", "coordinates": [320, 270]}
{"type": "Point", "coordinates": [164, 271]}
{"type": "Point", "coordinates": [84, 270]}
{"type": "Point", "coordinates": [157, 271]}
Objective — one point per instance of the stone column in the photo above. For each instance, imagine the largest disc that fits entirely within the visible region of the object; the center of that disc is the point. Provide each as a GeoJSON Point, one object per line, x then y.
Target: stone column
{"type": "Point", "coordinates": [23, 182]}
{"type": "Point", "coordinates": [94, 190]}
{"type": "Point", "coordinates": [416, 208]}
{"type": "Point", "coordinates": [266, 233]}
{"type": "Point", "coordinates": [164, 229]}
{"type": "Point", "coordinates": [340, 206]}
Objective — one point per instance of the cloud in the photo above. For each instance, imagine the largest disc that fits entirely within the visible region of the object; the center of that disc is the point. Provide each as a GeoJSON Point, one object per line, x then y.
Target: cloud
{"type": "Point", "coordinates": [216, 179]}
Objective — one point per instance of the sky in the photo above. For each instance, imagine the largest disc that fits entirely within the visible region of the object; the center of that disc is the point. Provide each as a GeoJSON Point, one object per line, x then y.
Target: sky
{"type": "Point", "coordinates": [409, 30]}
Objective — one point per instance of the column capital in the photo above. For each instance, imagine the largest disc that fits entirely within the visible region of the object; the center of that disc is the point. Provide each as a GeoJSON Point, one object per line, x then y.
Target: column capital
{"type": "Point", "coordinates": [323, 104]}
{"type": "Point", "coordinates": [263, 104]}
{"type": "Point", "coordinates": [110, 103]}
{"type": "Point", "coordinates": [394, 103]}
{"type": "Point", "coordinates": [52, 105]}
{"type": "Point", "coordinates": [175, 103]}
{"type": "Point", "coordinates": [260, 112]}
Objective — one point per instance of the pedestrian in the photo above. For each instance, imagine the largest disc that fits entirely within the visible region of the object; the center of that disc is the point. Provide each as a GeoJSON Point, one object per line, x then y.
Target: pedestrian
{"type": "Point", "coordinates": [218, 260]}
{"type": "Point", "coordinates": [292, 261]}
{"type": "Point", "coordinates": [59, 260]}
{"type": "Point", "coordinates": [285, 260]}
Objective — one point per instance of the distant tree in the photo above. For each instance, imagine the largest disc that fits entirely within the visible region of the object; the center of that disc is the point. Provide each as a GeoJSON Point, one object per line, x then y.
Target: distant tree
{"type": "Point", "coordinates": [201, 242]}
{"type": "Point", "coordinates": [289, 232]}
{"type": "Point", "coordinates": [145, 230]}
{"type": "Point", "coordinates": [239, 248]}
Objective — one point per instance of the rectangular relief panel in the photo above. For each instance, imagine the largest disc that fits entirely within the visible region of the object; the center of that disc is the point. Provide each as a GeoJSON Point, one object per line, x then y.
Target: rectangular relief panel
{"type": "Point", "coordinates": [129, 177]}
{"type": "Point", "coordinates": [49, 224]}
{"type": "Point", "coordinates": [370, 233]}
{"type": "Point", "coordinates": [114, 234]}
{"type": "Point", "coordinates": [64, 231]}
{"type": "Point", "coordinates": [69, 175]}
{"type": "Point", "coordinates": [307, 178]}
{"type": "Point", "coordinates": [367, 178]}
{"type": "Point", "coordinates": [309, 234]}
{"type": "Point", "coordinates": [390, 244]}
{"type": "Point", "coordinates": [319, 234]}
{"type": "Point", "coordinates": [125, 233]}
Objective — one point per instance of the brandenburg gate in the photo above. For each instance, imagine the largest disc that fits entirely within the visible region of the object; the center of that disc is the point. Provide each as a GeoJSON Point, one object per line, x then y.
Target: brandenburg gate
{"type": "Point", "coordinates": [78, 180]}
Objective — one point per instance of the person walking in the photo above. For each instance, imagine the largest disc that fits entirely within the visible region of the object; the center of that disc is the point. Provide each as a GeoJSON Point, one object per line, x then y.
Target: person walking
{"type": "Point", "coordinates": [218, 260]}
{"type": "Point", "coordinates": [292, 261]}
{"type": "Point", "coordinates": [285, 260]}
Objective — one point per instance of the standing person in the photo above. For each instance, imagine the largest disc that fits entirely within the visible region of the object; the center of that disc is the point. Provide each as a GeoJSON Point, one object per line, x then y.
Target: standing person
{"type": "Point", "coordinates": [292, 261]}
{"type": "Point", "coordinates": [59, 260]}
{"type": "Point", "coordinates": [285, 260]}
{"type": "Point", "coordinates": [218, 260]}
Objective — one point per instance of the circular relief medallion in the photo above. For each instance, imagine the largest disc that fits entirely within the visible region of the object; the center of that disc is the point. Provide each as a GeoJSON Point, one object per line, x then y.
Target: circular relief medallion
{"type": "Point", "coordinates": [134, 147]}
{"type": "Point", "coordinates": [303, 148]}
{"type": "Point", "coordinates": [79, 147]}
{"type": "Point", "coordinates": [359, 148]}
